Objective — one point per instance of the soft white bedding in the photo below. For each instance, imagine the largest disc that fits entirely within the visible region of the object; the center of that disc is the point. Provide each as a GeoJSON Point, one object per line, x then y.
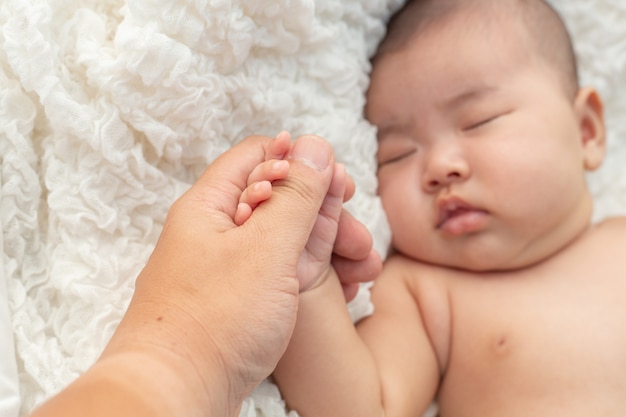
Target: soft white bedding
{"type": "Point", "coordinates": [110, 109]}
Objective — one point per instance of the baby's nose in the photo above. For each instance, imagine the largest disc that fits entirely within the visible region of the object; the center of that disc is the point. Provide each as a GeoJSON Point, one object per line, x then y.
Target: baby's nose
{"type": "Point", "coordinates": [445, 167]}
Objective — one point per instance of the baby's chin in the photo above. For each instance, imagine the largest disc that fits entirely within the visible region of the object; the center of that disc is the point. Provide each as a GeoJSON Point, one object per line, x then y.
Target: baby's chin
{"type": "Point", "coordinates": [496, 261]}
{"type": "Point", "coordinates": [493, 252]}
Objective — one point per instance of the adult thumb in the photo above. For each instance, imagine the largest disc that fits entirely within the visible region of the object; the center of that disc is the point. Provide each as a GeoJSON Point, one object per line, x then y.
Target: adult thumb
{"type": "Point", "coordinates": [285, 221]}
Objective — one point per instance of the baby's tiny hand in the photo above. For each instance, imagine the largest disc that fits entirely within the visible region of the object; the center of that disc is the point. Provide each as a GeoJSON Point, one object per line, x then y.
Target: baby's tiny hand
{"type": "Point", "coordinates": [259, 186]}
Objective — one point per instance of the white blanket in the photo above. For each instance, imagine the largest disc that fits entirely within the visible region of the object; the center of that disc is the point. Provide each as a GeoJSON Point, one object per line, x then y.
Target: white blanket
{"type": "Point", "coordinates": [110, 109]}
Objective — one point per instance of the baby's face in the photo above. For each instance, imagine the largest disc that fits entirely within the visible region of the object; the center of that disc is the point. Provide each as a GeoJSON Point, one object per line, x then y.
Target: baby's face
{"type": "Point", "coordinates": [481, 156]}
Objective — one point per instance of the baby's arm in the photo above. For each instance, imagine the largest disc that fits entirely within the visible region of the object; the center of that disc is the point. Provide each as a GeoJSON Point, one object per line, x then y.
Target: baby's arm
{"type": "Point", "coordinates": [386, 368]}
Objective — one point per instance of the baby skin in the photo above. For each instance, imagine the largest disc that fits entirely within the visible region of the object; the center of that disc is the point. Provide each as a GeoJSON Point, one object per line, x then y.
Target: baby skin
{"type": "Point", "coordinates": [500, 298]}
{"type": "Point", "coordinates": [259, 186]}
{"type": "Point", "coordinates": [542, 340]}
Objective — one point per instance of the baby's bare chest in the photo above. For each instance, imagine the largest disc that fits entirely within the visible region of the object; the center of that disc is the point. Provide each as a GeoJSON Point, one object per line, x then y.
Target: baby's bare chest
{"type": "Point", "coordinates": [557, 342]}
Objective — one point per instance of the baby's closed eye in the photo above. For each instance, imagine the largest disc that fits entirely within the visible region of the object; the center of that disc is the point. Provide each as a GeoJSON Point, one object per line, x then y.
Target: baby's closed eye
{"type": "Point", "coordinates": [392, 150]}
{"type": "Point", "coordinates": [477, 119]}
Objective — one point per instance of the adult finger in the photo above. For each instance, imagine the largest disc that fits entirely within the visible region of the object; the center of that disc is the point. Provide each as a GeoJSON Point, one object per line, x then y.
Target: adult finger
{"type": "Point", "coordinates": [288, 216]}
{"type": "Point", "coordinates": [218, 189]}
{"type": "Point", "coordinates": [353, 241]}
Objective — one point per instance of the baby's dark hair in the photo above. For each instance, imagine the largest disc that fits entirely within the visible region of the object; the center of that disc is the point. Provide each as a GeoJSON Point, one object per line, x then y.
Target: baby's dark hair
{"type": "Point", "coordinates": [544, 26]}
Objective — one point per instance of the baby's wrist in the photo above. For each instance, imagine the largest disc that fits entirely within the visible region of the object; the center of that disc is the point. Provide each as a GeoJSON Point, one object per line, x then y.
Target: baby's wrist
{"type": "Point", "coordinates": [327, 281]}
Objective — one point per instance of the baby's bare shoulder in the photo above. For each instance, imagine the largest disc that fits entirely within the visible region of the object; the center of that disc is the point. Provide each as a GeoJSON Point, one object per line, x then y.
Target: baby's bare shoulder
{"type": "Point", "coordinates": [613, 225]}
{"type": "Point", "coordinates": [609, 235]}
{"type": "Point", "coordinates": [428, 285]}
{"type": "Point", "coordinates": [414, 268]}
{"type": "Point", "coordinates": [425, 281]}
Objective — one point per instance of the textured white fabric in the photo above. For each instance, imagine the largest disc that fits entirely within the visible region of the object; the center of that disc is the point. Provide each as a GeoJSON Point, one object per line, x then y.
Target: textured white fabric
{"type": "Point", "coordinates": [9, 388]}
{"type": "Point", "coordinates": [109, 109]}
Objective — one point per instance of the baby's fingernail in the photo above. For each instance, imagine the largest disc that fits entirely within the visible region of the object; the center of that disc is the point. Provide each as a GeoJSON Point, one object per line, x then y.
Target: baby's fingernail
{"type": "Point", "coordinates": [280, 165]}
{"type": "Point", "coordinates": [313, 151]}
{"type": "Point", "coordinates": [283, 134]}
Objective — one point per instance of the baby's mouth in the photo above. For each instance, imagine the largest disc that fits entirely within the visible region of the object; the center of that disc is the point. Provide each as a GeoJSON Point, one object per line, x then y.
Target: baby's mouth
{"type": "Point", "coordinates": [456, 217]}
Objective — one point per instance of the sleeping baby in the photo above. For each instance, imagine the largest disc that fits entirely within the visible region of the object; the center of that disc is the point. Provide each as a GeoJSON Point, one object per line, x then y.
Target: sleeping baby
{"type": "Point", "coordinates": [500, 297]}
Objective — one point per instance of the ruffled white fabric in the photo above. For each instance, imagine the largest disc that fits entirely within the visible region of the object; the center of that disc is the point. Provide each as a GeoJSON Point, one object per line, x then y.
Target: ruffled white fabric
{"type": "Point", "coordinates": [109, 109]}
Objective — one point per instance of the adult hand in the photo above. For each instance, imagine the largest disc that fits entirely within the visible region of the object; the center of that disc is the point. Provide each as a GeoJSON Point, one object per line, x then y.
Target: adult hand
{"type": "Point", "coordinates": [347, 242]}
{"type": "Point", "coordinates": [353, 257]}
{"type": "Point", "coordinates": [346, 239]}
{"type": "Point", "coordinates": [215, 305]}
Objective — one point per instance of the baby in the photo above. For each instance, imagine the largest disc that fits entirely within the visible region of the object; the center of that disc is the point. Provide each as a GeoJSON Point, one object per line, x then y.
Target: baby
{"type": "Point", "coordinates": [500, 297]}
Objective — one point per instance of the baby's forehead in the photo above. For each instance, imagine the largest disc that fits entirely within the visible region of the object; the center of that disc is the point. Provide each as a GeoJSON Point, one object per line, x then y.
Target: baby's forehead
{"type": "Point", "coordinates": [423, 19]}
{"type": "Point", "coordinates": [486, 24]}
{"type": "Point", "coordinates": [530, 26]}
{"type": "Point", "coordinates": [445, 38]}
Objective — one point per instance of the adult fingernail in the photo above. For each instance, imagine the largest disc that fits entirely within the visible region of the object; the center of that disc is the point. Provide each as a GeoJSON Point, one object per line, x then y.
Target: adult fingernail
{"type": "Point", "coordinates": [312, 151]}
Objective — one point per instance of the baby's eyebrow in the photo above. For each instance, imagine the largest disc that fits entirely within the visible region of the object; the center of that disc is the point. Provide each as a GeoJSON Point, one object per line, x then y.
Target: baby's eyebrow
{"type": "Point", "coordinates": [384, 132]}
{"type": "Point", "coordinates": [468, 94]}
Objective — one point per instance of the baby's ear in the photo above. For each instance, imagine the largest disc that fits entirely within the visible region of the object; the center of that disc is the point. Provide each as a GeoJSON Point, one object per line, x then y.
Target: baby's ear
{"type": "Point", "coordinates": [590, 113]}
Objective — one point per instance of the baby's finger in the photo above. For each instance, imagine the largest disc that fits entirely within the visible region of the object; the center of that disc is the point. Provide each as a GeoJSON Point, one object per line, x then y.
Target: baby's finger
{"type": "Point", "coordinates": [352, 271]}
{"type": "Point", "coordinates": [269, 171]}
{"type": "Point", "coordinates": [243, 213]}
{"type": "Point", "coordinates": [354, 240]}
{"type": "Point", "coordinates": [279, 146]}
{"type": "Point", "coordinates": [350, 188]}
{"type": "Point", "coordinates": [256, 193]}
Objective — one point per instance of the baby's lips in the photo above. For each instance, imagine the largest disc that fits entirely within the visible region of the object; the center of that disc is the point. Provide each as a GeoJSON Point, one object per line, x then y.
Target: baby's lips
{"type": "Point", "coordinates": [457, 217]}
